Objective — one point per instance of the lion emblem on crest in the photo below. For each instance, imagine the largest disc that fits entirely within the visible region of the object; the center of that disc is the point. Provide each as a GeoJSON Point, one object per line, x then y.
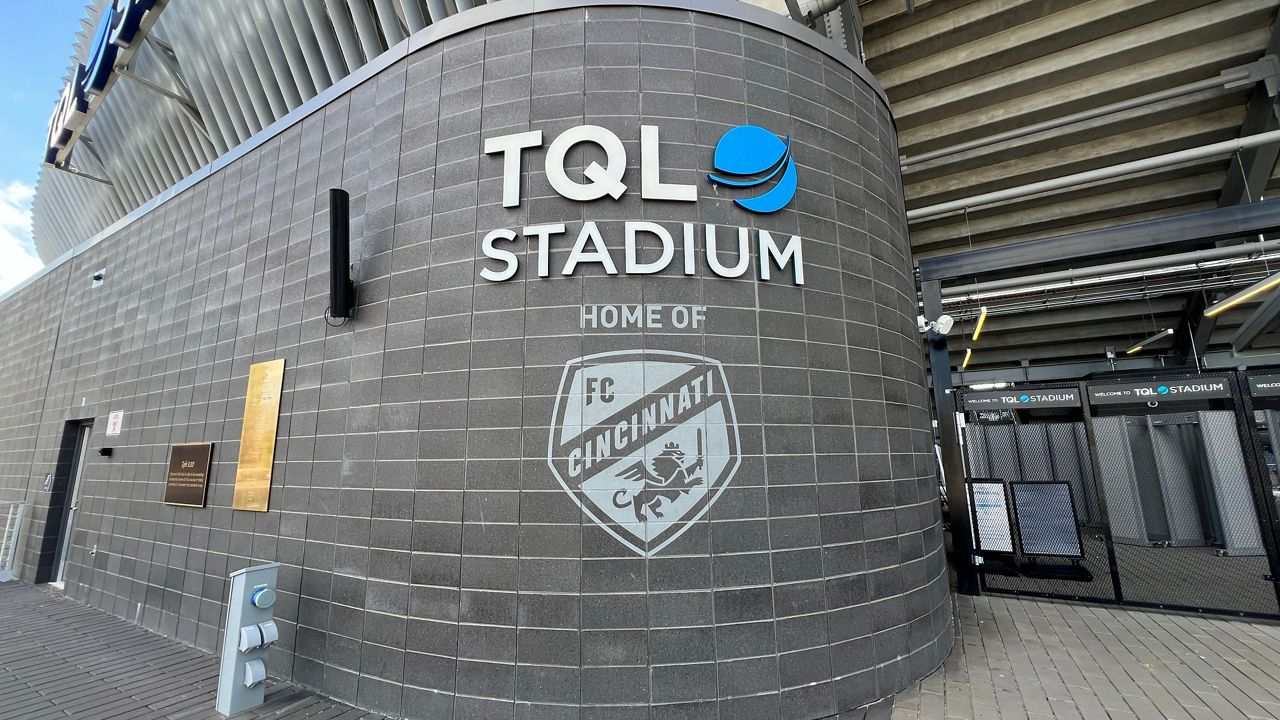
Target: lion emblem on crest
{"type": "Point", "coordinates": [663, 485]}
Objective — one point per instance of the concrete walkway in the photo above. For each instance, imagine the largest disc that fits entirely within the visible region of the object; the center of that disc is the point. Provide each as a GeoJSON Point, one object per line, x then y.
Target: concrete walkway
{"type": "Point", "coordinates": [60, 659]}
{"type": "Point", "coordinates": [1013, 659]}
{"type": "Point", "coordinates": [1018, 658]}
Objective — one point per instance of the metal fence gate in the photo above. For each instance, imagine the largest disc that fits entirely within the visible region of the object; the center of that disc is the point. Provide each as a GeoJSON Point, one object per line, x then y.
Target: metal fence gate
{"type": "Point", "coordinates": [1164, 499]}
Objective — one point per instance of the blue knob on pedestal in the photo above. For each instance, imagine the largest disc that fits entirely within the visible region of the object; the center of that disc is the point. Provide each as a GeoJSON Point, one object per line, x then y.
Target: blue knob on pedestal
{"type": "Point", "coordinates": [262, 598]}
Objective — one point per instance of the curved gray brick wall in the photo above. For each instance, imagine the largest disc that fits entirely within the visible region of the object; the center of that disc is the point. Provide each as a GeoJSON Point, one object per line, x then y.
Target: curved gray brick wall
{"type": "Point", "coordinates": [434, 565]}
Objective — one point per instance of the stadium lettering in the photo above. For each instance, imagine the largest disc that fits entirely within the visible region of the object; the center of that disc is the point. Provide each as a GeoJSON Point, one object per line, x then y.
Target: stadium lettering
{"type": "Point", "coordinates": [727, 251]}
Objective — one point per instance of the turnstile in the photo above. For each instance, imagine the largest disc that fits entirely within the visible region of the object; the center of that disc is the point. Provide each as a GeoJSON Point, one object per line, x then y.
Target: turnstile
{"type": "Point", "coordinates": [1164, 478]}
{"type": "Point", "coordinates": [1177, 480]}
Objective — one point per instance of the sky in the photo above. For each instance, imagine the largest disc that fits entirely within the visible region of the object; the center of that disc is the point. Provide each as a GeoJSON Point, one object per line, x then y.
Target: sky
{"type": "Point", "coordinates": [36, 40]}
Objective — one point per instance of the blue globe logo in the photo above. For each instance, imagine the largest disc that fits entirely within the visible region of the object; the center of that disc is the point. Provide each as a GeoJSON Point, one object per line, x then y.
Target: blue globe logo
{"type": "Point", "coordinates": [1163, 389]}
{"type": "Point", "coordinates": [749, 156]}
{"type": "Point", "coordinates": [1023, 398]}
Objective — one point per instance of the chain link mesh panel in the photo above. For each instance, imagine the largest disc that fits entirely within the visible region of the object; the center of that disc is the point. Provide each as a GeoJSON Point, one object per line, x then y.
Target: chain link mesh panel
{"type": "Point", "coordinates": [1002, 448]}
{"type": "Point", "coordinates": [1057, 452]}
{"type": "Point", "coordinates": [1037, 465]}
{"type": "Point", "coordinates": [1119, 487]}
{"type": "Point", "coordinates": [975, 445]}
{"type": "Point", "coordinates": [1071, 464]}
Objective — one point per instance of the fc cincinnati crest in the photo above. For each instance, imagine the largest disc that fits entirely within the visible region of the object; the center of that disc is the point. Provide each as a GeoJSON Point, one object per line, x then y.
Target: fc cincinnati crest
{"type": "Point", "coordinates": [644, 441]}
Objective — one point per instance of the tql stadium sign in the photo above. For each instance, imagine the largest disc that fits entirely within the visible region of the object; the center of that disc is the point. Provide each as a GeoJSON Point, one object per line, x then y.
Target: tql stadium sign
{"type": "Point", "coordinates": [645, 440]}
{"type": "Point", "coordinates": [754, 163]}
{"type": "Point", "coordinates": [1208, 388]}
{"type": "Point", "coordinates": [1022, 399]}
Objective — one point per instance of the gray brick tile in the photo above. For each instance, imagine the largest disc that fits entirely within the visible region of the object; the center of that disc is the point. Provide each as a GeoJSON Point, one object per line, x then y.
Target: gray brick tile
{"type": "Point", "coordinates": [412, 488]}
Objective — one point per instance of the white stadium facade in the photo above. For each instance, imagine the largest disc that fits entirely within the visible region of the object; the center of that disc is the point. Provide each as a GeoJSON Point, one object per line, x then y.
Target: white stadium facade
{"type": "Point", "coordinates": [185, 82]}
{"type": "Point", "coordinates": [158, 89]}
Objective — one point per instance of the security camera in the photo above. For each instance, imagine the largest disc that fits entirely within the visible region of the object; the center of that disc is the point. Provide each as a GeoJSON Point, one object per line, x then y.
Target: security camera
{"type": "Point", "coordinates": [942, 325]}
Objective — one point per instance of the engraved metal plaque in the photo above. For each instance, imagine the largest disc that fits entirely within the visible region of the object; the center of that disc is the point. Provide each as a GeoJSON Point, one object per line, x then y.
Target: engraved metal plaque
{"type": "Point", "coordinates": [258, 436]}
{"type": "Point", "coordinates": [188, 474]}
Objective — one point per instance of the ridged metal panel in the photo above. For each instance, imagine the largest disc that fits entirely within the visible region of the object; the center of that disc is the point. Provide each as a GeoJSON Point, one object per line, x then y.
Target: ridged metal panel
{"type": "Point", "coordinates": [244, 66]}
{"type": "Point", "coordinates": [285, 57]}
{"type": "Point", "coordinates": [1176, 451]}
{"type": "Point", "coordinates": [1230, 481]}
{"type": "Point", "coordinates": [1146, 479]}
{"type": "Point", "coordinates": [1071, 465]}
{"type": "Point", "coordinates": [1124, 508]}
{"type": "Point", "coordinates": [292, 48]}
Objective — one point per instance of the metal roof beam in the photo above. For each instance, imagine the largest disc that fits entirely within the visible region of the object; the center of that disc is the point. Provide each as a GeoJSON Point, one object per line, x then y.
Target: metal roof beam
{"type": "Point", "coordinates": [1230, 359]}
{"type": "Point", "coordinates": [1251, 169]}
{"type": "Point", "coordinates": [1194, 332]}
{"type": "Point", "coordinates": [78, 173]}
{"type": "Point", "coordinates": [1247, 176]}
{"type": "Point", "coordinates": [1204, 226]}
{"type": "Point", "coordinates": [1096, 175]}
{"type": "Point", "coordinates": [1224, 79]}
{"type": "Point", "coordinates": [1054, 371]}
{"type": "Point", "coordinates": [1257, 323]}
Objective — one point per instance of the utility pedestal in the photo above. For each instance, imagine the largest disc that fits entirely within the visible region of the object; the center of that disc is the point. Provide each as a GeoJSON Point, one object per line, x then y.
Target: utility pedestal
{"type": "Point", "coordinates": [242, 677]}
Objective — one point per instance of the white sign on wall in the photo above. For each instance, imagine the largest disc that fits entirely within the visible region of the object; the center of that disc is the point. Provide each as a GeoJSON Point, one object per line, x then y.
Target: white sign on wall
{"type": "Point", "coordinates": [115, 420]}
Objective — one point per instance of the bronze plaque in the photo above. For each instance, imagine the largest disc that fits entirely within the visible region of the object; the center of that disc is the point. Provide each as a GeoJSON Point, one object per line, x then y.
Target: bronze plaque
{"type": "Point", "coordinates": [188, 474]}
{"type": "Point", "coordinates": [258, 436]}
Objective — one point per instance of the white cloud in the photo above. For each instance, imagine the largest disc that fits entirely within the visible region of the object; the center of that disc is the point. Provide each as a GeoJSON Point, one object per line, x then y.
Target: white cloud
{"type": "Point", "coordinates": [18, 259]}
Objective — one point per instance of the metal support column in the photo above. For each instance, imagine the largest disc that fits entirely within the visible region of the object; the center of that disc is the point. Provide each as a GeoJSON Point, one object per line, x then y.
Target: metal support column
{"type": "Point", "coordinates": [1268, 513]}
{"type": "Point", "coordinates": [952, 460]}
{"type": "Point", "coordinates": [1100, 492]}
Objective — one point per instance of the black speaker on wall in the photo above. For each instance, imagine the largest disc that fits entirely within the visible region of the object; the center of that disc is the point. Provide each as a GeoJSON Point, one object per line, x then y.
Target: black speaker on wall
{"type": "Point", "coordinates": [341, 290]}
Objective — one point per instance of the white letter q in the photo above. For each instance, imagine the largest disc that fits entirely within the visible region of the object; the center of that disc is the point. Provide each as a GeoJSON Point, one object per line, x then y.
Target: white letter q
{"type": "Point", "coordinates": [604, 180]}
